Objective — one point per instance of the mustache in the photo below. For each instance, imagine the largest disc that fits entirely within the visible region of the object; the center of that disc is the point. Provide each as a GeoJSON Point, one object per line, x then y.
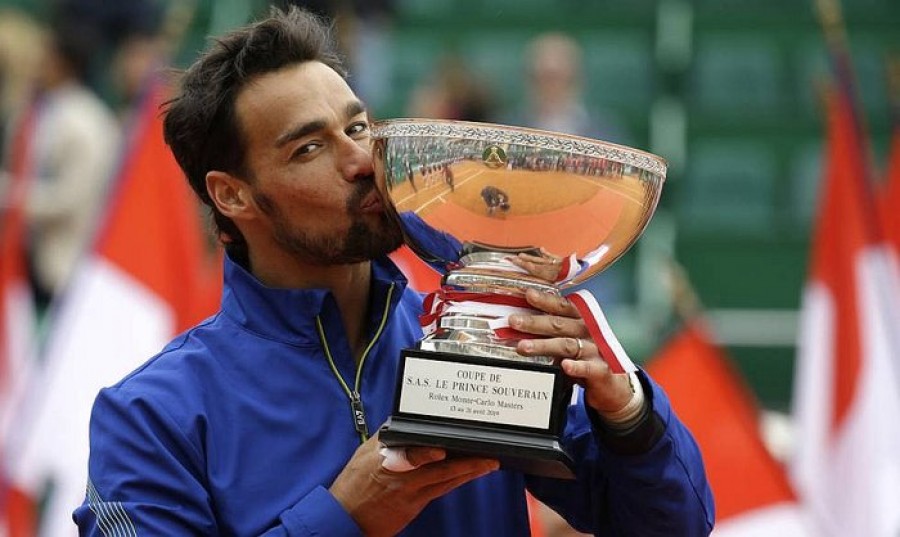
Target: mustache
{"type": "Point", "coordinates": [363, 186]}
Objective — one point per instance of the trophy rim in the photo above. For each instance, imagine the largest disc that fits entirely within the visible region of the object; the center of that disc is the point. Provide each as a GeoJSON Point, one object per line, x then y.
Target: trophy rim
{"type": "Point", "coordinates": [513, 134]}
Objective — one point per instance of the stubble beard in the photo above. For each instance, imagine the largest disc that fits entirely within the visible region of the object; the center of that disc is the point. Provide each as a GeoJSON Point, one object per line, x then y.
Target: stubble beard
{"type": "Point", "coordinates": [369, 236]}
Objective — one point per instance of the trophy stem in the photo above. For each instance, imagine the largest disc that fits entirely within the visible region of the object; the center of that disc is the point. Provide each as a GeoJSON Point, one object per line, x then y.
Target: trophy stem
{"type": "Point", "coordinates": [495, 281]}
{"type": "Point", "coordinates": [490, 271]}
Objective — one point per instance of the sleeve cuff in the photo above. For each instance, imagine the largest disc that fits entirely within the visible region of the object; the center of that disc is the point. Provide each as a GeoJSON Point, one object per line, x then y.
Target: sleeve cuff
{"type": "Point", "coordinates": [319, 513]}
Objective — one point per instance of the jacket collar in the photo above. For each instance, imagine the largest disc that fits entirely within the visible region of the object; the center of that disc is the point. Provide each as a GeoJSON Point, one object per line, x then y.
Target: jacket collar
{"type": "Point", "coordinates": [289, 315]}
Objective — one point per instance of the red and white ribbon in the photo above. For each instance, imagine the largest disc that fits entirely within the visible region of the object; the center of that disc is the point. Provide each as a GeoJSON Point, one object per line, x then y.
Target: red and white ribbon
{"type": "Point", "coordinates": [601, 333]}
{"type": "Point", "coordinates": [569, 268]}
{"type": "Point", "coordinates": [496, 308]}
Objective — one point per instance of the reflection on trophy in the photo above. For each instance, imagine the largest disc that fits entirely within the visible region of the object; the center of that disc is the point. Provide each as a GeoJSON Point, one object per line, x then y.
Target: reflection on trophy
{"type": "Point", "coordinates": [476, 200]}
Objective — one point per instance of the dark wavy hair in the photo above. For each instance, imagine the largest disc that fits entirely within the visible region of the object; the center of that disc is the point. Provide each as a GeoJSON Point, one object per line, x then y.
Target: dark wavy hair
{"type": "Point", "coordinates": [200, 125]}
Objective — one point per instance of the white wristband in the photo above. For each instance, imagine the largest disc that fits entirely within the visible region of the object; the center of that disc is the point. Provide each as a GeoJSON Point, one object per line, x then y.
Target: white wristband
{"type": "Point", "coordinates": [625, 417]}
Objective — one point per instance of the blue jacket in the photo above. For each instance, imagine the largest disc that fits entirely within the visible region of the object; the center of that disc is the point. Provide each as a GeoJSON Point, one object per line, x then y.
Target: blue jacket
{"type": "Point", "coordinates": [239, 426]}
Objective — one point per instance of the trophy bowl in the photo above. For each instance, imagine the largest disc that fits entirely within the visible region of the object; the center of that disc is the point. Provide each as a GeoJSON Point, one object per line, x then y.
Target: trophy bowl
{"type": "Point", "coordinates": [472, 198]}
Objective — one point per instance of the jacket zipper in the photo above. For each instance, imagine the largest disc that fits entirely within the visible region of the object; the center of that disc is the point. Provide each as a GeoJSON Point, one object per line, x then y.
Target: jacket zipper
{"type": "Point", "coordinates": [357, 409]}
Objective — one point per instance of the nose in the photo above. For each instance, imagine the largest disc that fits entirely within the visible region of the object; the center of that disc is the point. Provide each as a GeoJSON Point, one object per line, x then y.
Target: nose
{"type": "Point", "coordinates": [356, 158]}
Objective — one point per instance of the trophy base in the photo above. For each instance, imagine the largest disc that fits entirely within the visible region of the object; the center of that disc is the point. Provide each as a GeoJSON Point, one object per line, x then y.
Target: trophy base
{"type": "Point", "coordinates": [527, 453]}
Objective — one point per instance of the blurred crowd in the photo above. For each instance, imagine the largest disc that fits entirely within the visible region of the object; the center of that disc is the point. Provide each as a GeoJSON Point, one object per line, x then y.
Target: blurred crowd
{"type": "Point", "coordinates": [62, 137]}
{"type": "Point", "coordinates": [69, 83]}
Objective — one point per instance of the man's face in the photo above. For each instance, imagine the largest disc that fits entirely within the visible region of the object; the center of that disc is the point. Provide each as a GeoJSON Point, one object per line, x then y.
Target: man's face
{"type": "Point", "coordinates": [308, 153]}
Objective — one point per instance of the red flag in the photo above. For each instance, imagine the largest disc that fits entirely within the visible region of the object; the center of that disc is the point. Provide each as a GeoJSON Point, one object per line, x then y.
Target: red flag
{"type": "Point", "coordinates": [752, 492]}
{"type": "Point", "coordinates": [890, 199]}
{"type": "Point", "coordinates": [421, 276]}
{"type": "Point", "coordinates": [846, 391]}
{"type": "Point", "coordinates": [146, 277]}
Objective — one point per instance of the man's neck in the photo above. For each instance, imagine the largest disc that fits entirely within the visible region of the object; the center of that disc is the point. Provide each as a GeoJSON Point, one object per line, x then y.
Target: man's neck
{"type": "Point", "coordinates": [349, 284]}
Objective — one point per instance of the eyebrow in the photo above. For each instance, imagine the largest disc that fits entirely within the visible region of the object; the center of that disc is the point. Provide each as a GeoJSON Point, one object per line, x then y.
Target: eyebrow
{"type": "Point", "coordinates": [353, 108]}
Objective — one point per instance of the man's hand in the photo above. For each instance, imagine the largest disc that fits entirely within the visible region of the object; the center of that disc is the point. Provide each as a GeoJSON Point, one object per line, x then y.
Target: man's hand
{"type": "Point", "coordinates": [383, 502]}
{"type": "Point", "coordinates": [545, 266]}
{"type": "Point", "coordinates": [604, 391]}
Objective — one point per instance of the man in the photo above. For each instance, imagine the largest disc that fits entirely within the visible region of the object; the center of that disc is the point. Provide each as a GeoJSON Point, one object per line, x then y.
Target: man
{"type": "Point", "coordinates": [245, 424]}
{"type": "Point", "coordinates": [494, 199]}
{"type": "Point", "coordinates": [448, 176]}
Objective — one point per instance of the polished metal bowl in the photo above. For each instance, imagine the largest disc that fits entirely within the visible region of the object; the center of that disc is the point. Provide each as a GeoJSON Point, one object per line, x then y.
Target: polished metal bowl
{"type": "Point", "coordinates": [516, 188]}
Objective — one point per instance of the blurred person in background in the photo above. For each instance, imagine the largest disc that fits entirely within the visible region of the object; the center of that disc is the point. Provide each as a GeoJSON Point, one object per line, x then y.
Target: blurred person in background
{"type": "Point", "coordinates": [367, 37]}
{"type": "Point", "coordinates": [21, 41]}
{"type": "Point", "coordinates": [363, 31]}
{"type": "Point", "coordinates": [554, 91]}
{"type": "Point", "coordinates": [452, 91]}
{"type": "Point", "coordinates": [141, 55]}
{"type": "Point", "coordinates": [554, 101]}
{"type": "Point", "coordinates": [71, 149]}
{"type": "Point", "coordinates": [247, 423]}
{"type": "Point", "coordinates": [139, 60]}
{"type": "Point", "coordinates": [111, 23]}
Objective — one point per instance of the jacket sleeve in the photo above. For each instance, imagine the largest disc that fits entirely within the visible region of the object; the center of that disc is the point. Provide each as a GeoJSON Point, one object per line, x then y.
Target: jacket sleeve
{"type": "Point", "coordinates": [662, 491]}
{"type": "Point", "coordinates": [146, 477]}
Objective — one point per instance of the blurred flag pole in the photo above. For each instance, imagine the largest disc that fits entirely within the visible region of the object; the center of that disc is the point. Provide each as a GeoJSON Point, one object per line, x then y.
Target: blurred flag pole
{"type": "Point", "coordinates": [845, 466]}
{"type": "Point", "coordinates": [751, 489]}
{"type": "Point", "coordinates": [831, 21]}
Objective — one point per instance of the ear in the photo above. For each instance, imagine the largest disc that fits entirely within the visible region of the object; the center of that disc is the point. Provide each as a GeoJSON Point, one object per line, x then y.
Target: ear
{"type": "Point", "coordinates": [231, 195]}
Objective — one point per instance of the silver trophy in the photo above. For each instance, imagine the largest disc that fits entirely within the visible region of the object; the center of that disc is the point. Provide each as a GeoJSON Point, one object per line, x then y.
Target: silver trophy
{"type": "Point", "coordinates": [472, 198]}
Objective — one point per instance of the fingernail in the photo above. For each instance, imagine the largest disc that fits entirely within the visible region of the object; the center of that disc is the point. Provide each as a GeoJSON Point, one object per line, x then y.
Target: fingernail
{"type": "Point", "coordinates": [527, 345]}
{"type": "Point", "coordinates": [515, 321]}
